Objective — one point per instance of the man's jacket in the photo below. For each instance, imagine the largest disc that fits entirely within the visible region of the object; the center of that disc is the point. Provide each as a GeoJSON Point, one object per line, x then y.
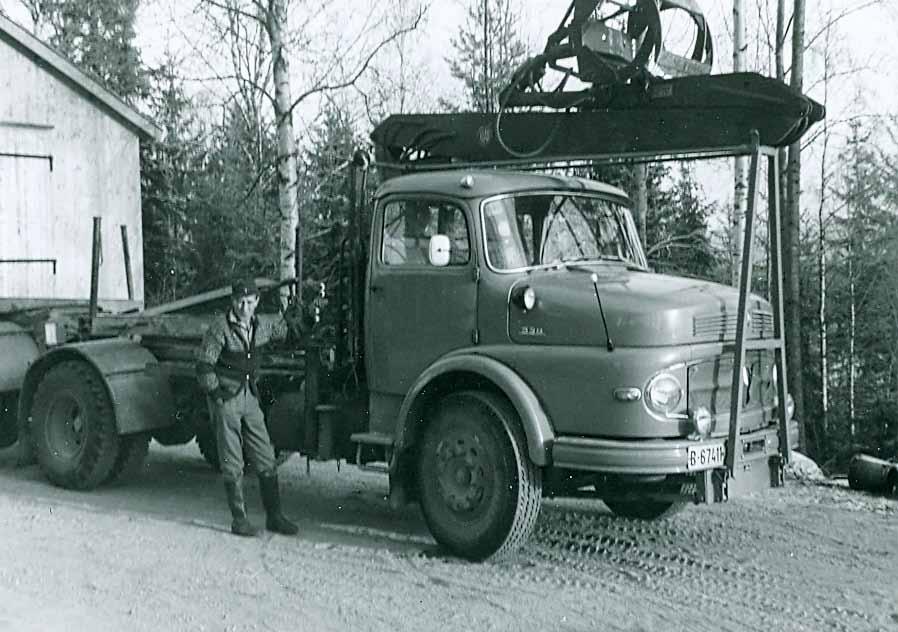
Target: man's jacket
{"type": "Point", "coordinates": [226, 361]}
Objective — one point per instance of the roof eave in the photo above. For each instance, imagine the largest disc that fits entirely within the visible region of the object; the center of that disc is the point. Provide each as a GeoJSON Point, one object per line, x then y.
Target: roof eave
{"type": "Point", "coordinates": [18, 36]}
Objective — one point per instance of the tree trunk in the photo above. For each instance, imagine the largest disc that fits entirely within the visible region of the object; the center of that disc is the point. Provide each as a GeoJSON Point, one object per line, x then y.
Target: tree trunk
{"type": "Point", "coordinates": [290, 243]}
{"type": "Point", "coordinates": [640, 201]}
{"type": "Point", "coordinates": [821, 259]}
{"type": "Point", "coordinates": [851, 337]}
{"type": "Point", "coordinates": [791, 232]}
{"type": "Point", "coordinates": [740, 164]}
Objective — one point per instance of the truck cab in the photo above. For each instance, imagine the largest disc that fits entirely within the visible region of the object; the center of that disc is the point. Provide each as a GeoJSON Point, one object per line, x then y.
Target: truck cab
{"type": "Point", "coordinates": [516, 339]}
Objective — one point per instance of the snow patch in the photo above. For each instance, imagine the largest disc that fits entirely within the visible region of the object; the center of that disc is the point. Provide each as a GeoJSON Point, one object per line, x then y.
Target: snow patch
{"type": "Point", "coordinates": [803, 468]}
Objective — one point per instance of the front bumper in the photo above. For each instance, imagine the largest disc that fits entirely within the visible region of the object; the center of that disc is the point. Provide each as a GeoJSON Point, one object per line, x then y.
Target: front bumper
{"type": "Point", "coordinates": [655, 457]}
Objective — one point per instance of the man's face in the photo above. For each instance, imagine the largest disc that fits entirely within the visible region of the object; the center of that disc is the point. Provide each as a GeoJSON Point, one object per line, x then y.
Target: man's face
{"type": "Point", "coordinates": [245, 307]}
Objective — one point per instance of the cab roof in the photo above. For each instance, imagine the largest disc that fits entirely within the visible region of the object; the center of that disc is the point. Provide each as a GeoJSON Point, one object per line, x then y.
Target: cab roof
{"type": "Point", "coordinates": [488, 182]}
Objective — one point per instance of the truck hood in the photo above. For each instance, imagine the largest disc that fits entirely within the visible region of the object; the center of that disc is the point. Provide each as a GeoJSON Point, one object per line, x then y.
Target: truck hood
{"type": "Point", "coordinates": [641, 309]}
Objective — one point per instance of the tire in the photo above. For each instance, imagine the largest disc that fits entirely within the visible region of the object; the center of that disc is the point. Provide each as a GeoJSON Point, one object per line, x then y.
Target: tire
{"type": "Point", "coordinates": [644, 509]}
{"type": "Point", "coordinates": [181, 432]}
{"type": "Point", "coordinates": [73, 427]}
{"type": "Point", "coordinates": [9, 423]}
{"type": "Point", "coordinates": [131, 456]}
{"type": "Point", "coordinates": [205, 440]}
{"type": "Point", "coordinates": [479, 491]}
{"type": "Point", "coordinates": [892, 483]}
{"type": "Point", "coordinates": [190, 410]}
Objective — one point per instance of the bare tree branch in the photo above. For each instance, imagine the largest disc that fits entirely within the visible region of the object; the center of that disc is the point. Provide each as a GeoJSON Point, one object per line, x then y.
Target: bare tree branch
{"type": "Point", "coordinates": [362, 68]}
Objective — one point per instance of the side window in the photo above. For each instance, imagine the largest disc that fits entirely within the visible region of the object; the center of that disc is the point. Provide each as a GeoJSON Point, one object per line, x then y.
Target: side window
{"type": "Point", "coordinates": [409, 225]}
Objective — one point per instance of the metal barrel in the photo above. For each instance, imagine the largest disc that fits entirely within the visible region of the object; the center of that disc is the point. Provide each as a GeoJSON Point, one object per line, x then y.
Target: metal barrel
{"type": "Point", "coordinates": [871, 474]}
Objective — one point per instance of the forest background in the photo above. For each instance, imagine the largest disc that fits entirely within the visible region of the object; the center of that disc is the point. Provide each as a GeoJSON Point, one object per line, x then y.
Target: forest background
{"type": "Point", "coordinates": [262, 103]}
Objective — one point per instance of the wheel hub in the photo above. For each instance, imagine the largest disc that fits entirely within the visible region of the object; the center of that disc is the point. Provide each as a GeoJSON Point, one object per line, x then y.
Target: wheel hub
{"type": "Point", "coordinates": [66, 427]}
{"type": "Point", "coordinates": [462, 472]}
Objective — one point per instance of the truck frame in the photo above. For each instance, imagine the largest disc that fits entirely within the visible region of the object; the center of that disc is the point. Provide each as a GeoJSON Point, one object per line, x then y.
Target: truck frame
{"type": "Point", "coordinates": [479, 379]}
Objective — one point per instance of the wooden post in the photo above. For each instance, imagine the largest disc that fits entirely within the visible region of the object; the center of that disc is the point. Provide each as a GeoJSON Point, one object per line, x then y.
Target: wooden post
{"type": "Point", "coordinates": [94, 274]}
{"type": "Point", "coordinates": [127, 254]}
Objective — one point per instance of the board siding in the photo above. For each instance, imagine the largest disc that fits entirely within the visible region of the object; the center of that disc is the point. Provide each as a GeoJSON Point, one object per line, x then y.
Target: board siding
{"type": "Point", "coordinates": [48, 213]}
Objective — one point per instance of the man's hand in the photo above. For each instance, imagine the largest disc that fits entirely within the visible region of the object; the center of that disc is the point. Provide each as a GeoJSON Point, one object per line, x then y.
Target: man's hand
{"type": "Point", "coordinates": [219, 395]}
{"type": "Point", "coordinates": [295, 320]}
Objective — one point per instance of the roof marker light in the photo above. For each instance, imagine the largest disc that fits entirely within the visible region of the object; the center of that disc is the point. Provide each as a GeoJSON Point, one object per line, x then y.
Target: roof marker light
{"type": "Point", "coordinates": [467, 182]}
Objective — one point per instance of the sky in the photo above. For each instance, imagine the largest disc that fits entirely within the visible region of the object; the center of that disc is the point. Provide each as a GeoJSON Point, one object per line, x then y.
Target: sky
{"type": "Point", "coordinates": [865, 33]}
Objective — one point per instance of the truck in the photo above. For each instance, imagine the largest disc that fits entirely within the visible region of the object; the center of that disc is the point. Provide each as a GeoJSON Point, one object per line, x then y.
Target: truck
{"type": "Point", "coordinates": [501, 337]}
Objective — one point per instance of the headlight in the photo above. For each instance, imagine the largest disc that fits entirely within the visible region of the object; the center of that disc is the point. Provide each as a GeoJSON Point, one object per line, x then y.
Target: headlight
{"type": "Point", "coordinates": [663, 393]}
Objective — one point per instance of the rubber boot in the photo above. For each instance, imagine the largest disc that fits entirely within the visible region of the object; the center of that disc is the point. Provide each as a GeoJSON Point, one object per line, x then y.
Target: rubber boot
{"type": "Point", "coordinates": [271, 500]}
{"type": "Point", "coordinates": [240, 525]}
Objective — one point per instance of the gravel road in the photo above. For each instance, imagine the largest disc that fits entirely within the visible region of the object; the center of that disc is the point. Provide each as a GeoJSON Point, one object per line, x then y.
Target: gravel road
{"type": "Point", "coordinates": [153, 552]}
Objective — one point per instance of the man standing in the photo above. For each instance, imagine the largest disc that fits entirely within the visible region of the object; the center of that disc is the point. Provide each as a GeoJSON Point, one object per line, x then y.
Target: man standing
{"type": "Point", "coordinates": [226, 366]}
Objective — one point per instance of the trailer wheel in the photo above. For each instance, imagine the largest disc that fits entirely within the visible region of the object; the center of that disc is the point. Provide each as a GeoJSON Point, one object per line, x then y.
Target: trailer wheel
{"type": "Point", "coordinates": [73, 427]}
{"type": "Point", "coordinates": [9, 426]}
{"type": "Point", "coordinates": [132, 453]}
{"type": "Point", "coordinates": [644, 509]}
{"type": "Point", "coordinates": [479, 491]}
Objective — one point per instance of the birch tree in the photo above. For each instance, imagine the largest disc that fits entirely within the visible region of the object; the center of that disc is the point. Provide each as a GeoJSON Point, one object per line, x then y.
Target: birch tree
{"type": "Point", "coordinates": [740, 165]}
{"type": "Point", "coordinates": [295, 30]}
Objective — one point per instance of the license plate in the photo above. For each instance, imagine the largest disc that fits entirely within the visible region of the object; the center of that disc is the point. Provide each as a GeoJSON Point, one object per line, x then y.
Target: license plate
{"type": "Point", "coordinates": [704, 457]}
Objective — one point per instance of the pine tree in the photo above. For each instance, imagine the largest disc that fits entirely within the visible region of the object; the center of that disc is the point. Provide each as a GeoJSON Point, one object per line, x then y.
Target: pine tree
{"type": "Point", "coordinates": [98, 36]}
{"type": "Point", "coordinates": [488, 50]}
{"type": "Point", "coordinates": [169, 168]}
{"type": "Point", "coordinates": [864, 298]}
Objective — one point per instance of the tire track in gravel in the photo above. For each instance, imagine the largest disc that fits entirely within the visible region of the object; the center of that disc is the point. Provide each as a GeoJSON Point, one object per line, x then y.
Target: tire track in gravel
{"type": "Point", "coordinates": [704, 559]}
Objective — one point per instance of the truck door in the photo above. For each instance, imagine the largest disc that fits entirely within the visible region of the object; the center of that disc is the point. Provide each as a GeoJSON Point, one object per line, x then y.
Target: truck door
{"type": "Point", "coordinates": [417, 311]}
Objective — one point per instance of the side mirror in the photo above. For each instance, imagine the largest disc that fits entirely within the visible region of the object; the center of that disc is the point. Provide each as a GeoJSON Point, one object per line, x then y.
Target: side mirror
{"type": "Point", "coordinates": [439, 251]}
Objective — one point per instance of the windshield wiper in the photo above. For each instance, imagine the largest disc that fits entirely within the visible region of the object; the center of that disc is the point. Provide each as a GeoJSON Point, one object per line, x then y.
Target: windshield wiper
{"type": "Point", "coordinates": [597, 258]}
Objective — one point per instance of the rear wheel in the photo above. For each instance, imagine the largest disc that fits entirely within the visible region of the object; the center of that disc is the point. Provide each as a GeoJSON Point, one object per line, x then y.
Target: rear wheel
{"type": "Point", "coordinates": [480, 493]}
{"type": "Point", "coordinates": [205, 437]}
{"type": "Point", "coordinates": [205, 440]}
{"type": "Point", "coordinates": [73, 427]}
{"type": "Point", "coordinates": [644, 509]}
{"type": "Point", "coordinates": [131, 455]}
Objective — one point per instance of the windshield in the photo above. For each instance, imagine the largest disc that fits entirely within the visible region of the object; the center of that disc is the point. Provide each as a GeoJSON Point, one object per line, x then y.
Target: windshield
{"type": "Point", "coordinates": [544, 229]}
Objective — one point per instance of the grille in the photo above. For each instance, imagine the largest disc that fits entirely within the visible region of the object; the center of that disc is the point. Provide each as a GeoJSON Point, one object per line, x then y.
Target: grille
{"type": "Point", "coordinates": [709, 382]}
{"type": "Point", "coordinates": [723, 326]}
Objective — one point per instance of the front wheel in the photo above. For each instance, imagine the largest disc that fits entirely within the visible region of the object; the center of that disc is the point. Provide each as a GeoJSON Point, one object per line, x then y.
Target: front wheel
{"type": "Point", "coordinates": [480, 493]}
{"type": "Point", "coordinates": [73, 427]}
{"type": "Point", "coordinates": [644, 509]}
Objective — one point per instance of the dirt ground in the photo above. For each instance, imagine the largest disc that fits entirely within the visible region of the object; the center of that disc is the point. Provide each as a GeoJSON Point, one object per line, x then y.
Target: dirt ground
{"type": "Point", "coordinates": [154, 553]}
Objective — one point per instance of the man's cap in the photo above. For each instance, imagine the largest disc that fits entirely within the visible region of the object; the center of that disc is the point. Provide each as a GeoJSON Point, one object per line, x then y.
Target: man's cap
{"type": "Point", "coordinates": [244, 286]}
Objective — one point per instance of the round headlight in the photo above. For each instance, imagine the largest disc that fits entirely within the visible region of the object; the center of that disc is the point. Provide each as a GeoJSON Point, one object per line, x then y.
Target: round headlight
{"type": "Point", "coordinates": [663, 393]}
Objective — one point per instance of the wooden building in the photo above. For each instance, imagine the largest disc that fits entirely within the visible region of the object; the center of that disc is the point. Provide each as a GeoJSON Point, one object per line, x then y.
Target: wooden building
{"type": "Point", "coordinates": [69, 152]}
